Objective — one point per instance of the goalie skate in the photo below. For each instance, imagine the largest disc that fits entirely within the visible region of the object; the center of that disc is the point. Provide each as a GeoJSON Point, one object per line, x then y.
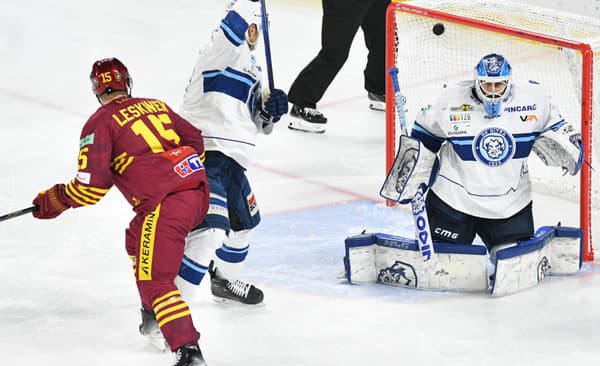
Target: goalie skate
{"type": "Point", "coordinates": [224, 290]}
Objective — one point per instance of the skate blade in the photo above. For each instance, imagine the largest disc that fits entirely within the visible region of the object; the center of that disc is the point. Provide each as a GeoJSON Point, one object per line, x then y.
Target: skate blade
{"type": "Point", "coordinates": [229, 302]}
{"type": "Point", "coordinates": [301, 125]}
{"type": "Point", "coordinates": [377, 106]}
{"type": "Point", "coordinates": [157, 343]}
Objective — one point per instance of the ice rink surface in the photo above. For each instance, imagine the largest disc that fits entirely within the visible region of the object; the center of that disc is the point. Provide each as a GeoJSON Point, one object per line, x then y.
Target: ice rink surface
{"type": "Point", "coordinates": [67, 296]}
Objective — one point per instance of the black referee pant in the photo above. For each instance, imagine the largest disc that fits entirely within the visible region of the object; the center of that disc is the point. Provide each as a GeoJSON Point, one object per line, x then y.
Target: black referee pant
{"type": "Point", "coordinates": [341, 20]}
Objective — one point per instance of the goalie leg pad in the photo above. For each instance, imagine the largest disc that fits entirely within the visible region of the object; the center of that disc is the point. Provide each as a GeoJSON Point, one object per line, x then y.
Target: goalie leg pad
{"type": "Point", "coordinates": [359, 261]}
{"type": "Point", "coordinates": [396, 260]}
{"type": "Point", "coordinates": [565, 250]}
{"type": "Point", "coordinates": [552, 251]}
{"type": "Point", "coordinates": [413, 166]}
{"type": "Point", "coordinates": [459, 267]}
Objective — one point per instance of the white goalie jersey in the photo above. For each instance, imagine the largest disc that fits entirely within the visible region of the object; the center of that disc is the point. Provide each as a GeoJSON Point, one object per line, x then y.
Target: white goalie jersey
{"type": "Point", "coordinates": [225, 88]}
{"type": "Point", "coordinates": [483, 162]}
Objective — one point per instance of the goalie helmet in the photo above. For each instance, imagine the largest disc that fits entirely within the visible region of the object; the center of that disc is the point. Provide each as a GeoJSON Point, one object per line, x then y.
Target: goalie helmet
{"type": "Point", "coordinates": [492, 83]}
{"type": "Point", "coordinates": [110, 75]}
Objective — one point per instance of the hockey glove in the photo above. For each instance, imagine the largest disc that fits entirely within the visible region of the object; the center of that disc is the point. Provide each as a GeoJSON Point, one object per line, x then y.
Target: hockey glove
{"type": "Point", "coordinates": [275, 104]}
{"type": "Point", "coordinates": [414, 166]}
{"type": "Point", "coordinates": [561, 146]}
{"type": "Point", "coordinates": [51, 202]}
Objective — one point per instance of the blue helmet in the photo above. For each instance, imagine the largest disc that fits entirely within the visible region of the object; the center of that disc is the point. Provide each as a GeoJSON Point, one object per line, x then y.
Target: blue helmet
{"type": "Point", "coordinates": [492, 83]}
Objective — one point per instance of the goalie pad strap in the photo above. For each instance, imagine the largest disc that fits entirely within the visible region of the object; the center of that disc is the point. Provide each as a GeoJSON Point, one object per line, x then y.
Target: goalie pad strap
{"type": "Point", "coordinates": [413, 166]}
{"type": "Point", "coordinates": [560, 146]}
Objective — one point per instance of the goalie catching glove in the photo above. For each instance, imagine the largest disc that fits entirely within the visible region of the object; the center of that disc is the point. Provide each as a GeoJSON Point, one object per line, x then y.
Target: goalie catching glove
{"type": "Point", "coordinates": [414, 165]}
{"type": "Point", "coordinates": [51, 202]}
{"type": "Point", "coordinates": [560, 145]}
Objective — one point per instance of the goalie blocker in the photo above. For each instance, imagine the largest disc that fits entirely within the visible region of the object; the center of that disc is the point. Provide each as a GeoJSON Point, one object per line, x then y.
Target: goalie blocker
{"type": "Point", "coordinates": [414, 166]}
{"type": "Point", "coordinates": [395, 260]}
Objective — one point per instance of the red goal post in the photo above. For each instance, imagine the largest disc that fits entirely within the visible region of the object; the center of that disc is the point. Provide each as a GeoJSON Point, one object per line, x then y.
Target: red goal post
{"type": "Point", "coordinates": [555, 48]}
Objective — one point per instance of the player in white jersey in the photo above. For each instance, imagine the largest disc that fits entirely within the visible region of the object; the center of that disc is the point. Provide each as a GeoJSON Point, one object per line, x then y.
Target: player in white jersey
{"type": "Point", "coordinates": [483, 132]}
{"type": "Point", "coordinates": [225, 98]}
{"type": "Point", "coordinates": [473, 142]}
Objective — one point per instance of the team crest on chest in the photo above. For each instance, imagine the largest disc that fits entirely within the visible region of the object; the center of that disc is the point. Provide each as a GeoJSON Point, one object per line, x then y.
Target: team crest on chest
{"type": "Point", "coordinates": [493, 146]}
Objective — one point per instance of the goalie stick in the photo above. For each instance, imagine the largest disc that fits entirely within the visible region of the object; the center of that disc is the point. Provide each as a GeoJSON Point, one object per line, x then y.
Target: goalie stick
{"type": "Point", "coordinates": [423, 233]}
{"type": "Point", "coordinates": [18, 213]}
{"type": "Point", "coordinates": [264, 17]}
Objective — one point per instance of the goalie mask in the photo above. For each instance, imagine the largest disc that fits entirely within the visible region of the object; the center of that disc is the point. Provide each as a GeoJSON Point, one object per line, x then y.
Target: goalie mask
{"type": "Point", "coordinates": [492, 83]}
{"type": "Point", "coordinates": [110, 75]}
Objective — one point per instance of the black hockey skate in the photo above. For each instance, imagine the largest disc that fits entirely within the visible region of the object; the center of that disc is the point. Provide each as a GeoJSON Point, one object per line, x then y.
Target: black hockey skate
{"type": "Point", "coordinates": [189, 355]}
{"type": "Point", "coordinates": [150, 330]}
{"type": "Point", "coordinates": [240, 291]}
{"type": "Point", "coordinates": [376, 101]}
{"type": "Point", "coordinates": [307, 120]}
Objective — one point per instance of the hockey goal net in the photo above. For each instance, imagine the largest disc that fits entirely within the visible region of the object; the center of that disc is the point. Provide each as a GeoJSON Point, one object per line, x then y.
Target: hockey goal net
{"type": "Point", "coordinates": [557, 49]}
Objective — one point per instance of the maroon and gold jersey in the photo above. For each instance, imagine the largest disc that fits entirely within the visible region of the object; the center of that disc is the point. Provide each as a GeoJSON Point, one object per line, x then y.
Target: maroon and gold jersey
{"type": "Point", "coordinates": [142, 147]}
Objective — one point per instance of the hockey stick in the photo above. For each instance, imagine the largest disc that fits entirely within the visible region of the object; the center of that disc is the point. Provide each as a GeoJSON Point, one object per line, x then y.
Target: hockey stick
{"type": "Point", "coordinates": [264, 17]}
{"type": "Point", "coordinates": [12, 215]}
{"type": "Point", "coordinates": [423, 233]}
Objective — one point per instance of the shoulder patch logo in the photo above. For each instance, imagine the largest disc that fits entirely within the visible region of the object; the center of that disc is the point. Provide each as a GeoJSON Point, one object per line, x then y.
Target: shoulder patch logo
{"type": "Point", "coordinates": [84, 177]}
{"type": "Point", "coordinates": [88, 140]}
{"type": "Point", "coordinates": [252, 205]}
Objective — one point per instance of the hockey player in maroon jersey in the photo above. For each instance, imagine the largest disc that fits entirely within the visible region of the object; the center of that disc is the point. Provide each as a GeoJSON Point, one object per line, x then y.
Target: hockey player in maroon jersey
{"type": "Point", "coordinates": [155, 158]}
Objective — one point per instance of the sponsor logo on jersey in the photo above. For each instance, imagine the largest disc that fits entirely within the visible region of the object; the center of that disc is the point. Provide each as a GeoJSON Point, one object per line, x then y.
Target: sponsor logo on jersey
{"type": "Point", "coordinates": [254, 69]}
{"type": "Point", "coordinates": [84, 177]}
{"type": "Point", "coordinates": [494, 146]}
{"type": "Point", "coordinates": [456, 128]}
{"type": "Point", "coordinates": [521, 108]}
{"type": "Point", "coordinates": [454, 117]}
{"type": "Point", "coordinates": [252, 205]}
{"type": "Point", "coordinates": [88, 140]}
{"type": "Point", "coordinates": [188, 166]}
{"type": "Point", "coordinates": [462, 108]}
{"type": "Point", "coordinates": [529, 118]}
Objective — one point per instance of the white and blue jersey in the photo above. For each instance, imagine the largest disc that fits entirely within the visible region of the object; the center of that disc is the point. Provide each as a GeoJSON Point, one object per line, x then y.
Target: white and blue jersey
{"type": "Point", "coordinates": [222, 94]}
{"type": "Point", "coordinates": [483, 162]}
